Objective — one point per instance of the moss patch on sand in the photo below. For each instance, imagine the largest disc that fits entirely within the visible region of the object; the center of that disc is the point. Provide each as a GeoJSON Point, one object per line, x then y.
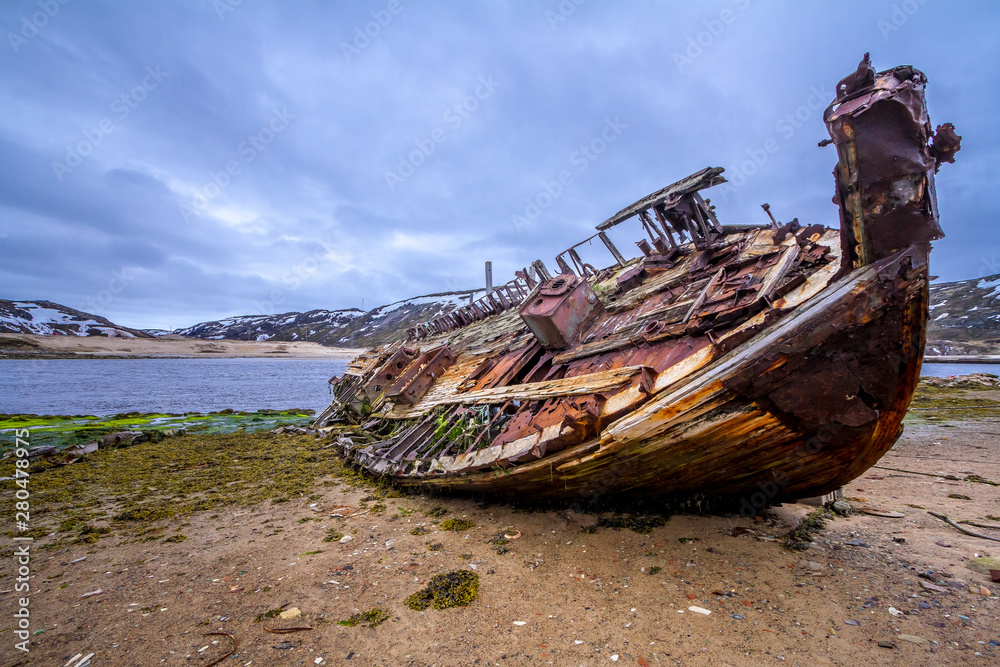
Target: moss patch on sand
{"type": "Point", "coordinates": [156, 482]}
{"type": "Point", "coordinates": [372, 618]}
{"type": "Point", "coordinates": [453, 589]}
{"type": "Point", "coordinates": [457, 524]}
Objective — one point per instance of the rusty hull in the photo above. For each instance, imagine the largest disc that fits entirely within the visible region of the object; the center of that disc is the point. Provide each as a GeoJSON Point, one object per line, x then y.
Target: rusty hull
{"type": "Point", "coordinates": [777, 359]}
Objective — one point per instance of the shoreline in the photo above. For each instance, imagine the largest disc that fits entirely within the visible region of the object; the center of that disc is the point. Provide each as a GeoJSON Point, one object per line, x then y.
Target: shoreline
{"type": "Point", "coordinates": [148, 554]}
{"type": "Point", "coordinates": [963, 359]}
{"type": "Point", "coordinates": [31, 346]}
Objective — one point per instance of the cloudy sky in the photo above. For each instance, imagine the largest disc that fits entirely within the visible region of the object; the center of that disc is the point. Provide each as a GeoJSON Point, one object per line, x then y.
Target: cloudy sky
{"type": "Point", "coordinates": [166, 163]}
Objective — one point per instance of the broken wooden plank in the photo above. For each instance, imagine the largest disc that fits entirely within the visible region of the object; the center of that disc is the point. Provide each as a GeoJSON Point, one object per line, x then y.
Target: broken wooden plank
{"type": "Point", "coordinates": [592, 383]}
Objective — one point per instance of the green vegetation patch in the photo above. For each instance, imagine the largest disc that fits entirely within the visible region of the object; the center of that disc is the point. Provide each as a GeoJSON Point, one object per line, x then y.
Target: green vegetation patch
{"type": "Point", "coordinates": [800, 537]}
{"type": "Point", "coordinates": [69, 430]}
{"type": "Point", "coordinates": [155, 482]}
{"type": "Point", "coordinates": [371, 618]}
{"type": "Point", "coordinates": [453, 589]}
{"type": "Point", "coordinates": [638, 524]}
{"type": "Point", "coordinates": [457, 524]}
{"type": "Point", "coordinates": [436, 512]}
{"type": "Point", "coordinates": [419, 530]}
{"type": "Point", "coordinates": [267, 614]}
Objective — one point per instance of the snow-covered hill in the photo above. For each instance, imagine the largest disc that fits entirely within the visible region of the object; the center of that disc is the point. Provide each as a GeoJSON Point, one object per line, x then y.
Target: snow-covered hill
{"type": "Point", "coordinates": [45, 318]}
{"type": "Point", "coordinates": [965, 317]}
{"type": "Point", "coordinates": [350, 328]}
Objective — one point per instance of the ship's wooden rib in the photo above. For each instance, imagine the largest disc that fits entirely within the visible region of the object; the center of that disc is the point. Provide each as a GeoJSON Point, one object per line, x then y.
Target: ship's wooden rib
{"type": "Point", "coordinates": [592, 383]}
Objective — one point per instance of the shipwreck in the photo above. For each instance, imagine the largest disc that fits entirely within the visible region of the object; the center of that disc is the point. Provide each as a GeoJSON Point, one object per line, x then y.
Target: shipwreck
{"type": "Point", "coordinates": [773, 360]}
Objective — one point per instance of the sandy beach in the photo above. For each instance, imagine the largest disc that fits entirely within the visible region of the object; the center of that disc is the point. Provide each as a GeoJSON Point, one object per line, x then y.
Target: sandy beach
{"type": "Point", "coordinates": [31, 346]}
{"type": "Point", "coordinates": [259, 527]}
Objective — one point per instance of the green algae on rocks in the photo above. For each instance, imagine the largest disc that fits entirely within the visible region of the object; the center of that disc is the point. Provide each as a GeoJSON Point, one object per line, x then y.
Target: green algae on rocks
{"type": "Point", "coordinates": [127, 490]}
{"type": "Point", "coordinates": [70, 430]}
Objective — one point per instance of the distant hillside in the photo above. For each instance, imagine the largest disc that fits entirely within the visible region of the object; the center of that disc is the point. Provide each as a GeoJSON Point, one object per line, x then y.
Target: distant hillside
{"type": "Point", "coordinates": [965, 317]}
{"type": "Point", "coordinates": [339, 328]}
{"type": "Point", "coordinates": [46, 318]}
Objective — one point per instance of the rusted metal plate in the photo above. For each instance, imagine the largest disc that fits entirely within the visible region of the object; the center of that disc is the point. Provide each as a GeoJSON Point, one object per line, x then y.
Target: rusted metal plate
{"type": "Point", "coordinates": [417, 379]}
{"type": "Point", "coordinates": [560, 311]}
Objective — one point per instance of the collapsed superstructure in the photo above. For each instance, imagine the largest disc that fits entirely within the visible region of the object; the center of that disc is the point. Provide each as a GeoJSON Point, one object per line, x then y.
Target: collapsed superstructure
{"type": "Point", "coordinates": [776, 359]}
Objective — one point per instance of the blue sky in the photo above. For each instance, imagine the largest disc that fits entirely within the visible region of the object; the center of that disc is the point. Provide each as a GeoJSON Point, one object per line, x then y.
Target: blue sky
{"type": "Point", "coordinates": [166, 163]}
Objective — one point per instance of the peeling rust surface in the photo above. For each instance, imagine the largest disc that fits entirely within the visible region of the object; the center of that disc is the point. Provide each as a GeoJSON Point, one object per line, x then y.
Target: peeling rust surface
{"type": "Point", "coordinates": [718, 360]}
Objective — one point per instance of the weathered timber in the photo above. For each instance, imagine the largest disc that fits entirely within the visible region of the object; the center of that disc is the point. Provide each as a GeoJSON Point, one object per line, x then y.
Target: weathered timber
{"type": "Point", "coordinates": [761, 362]}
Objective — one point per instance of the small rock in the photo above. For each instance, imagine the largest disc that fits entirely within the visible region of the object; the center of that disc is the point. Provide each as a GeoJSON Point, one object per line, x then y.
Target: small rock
{"type": "Point", "coordinates": [614, 658]}
{"type": "Point", "coordinates": [519, 622]}
{"type": "Point", "coordinates": [925, 605]}
{"type": "Point", "coordinates": [985, 592]}
{"type": "Point", "coordinates": [345, 539]}
{"type": "Point", "coordinates": [895, 612]}
{"type": "Point", "coordinates": [852, 622]}
{"type": "Point", "coordinates": [912, 639]}
{"type": "Point", "coordinates": [292, 612]}
{"type": "Point", "coordinates": [885, 644]}
{"type": "Point", "coordinates": [699, 610]}
{"type": "Point", "coordinates": [842, 507]}
{"type": "Point", "coordinates": [933, 587]}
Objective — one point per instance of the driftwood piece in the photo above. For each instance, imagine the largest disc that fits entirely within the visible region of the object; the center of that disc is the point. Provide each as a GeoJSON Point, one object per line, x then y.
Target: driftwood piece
{"type": "Point", "coordinates": [979, 525]}
{"type": "Point", "coordinates": [960, 528]}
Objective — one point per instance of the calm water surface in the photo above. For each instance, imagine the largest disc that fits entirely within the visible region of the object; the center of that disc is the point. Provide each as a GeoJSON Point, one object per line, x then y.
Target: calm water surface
{"type": "Point", "coordinates": [109, 386]}
{"type": "Point", "coordinates": [945, 370]}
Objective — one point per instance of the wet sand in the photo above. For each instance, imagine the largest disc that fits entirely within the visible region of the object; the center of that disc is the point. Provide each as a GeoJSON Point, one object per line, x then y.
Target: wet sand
{"type": "Point", "coordinates": [559, 595]}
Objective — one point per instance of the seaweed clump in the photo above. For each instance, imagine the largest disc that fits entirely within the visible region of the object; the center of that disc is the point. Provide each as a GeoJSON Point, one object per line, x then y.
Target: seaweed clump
{"type": "Point", "coordinates": [800, 537]}
{"type": "Point", "coordinates": [499, 541]}
{"type": "Point", "coordinates": [638, 524]}
{"type": "Point", "coordinates": [371, 618]}
{"type": "Point", "coordinates": [457, 524]}
{"type": "Point", "coordinates": [453, 589]}
{"type": "Point", "coordinates": [436, 512]}
{"type": "Point", "coordinates": [419, 530]}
